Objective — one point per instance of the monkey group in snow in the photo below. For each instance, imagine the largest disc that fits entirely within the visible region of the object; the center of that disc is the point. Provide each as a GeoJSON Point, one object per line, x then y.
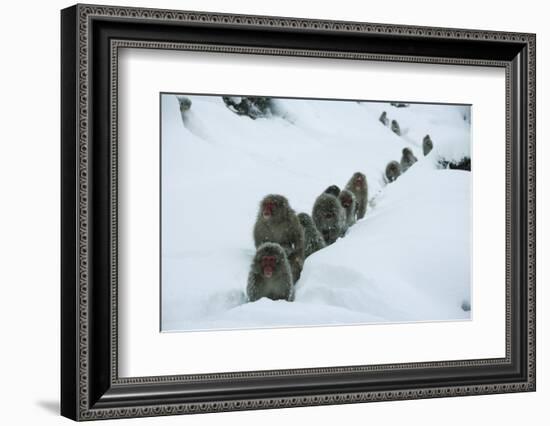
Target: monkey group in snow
{"type": "Point", "coordinates": [393, 171]}
{"type": "Point", "coordinates": [277, 223]}
{"type": "Point", "coordinates": [407, 159]}
{"type": "Point", "coordinates": [270, 274]}
{"type": "Point", "coordinates": [313, 239]}
{"type": "Point", "coordinates": [427, 145]}
{"type": "Point", "coordinates": [358, 185]}
{"type": "Point", "coordinates": [284, 239]}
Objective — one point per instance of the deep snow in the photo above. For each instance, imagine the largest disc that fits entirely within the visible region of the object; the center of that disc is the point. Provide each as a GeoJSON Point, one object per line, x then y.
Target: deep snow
{"type": "Point", "coordinates": [407, 260]}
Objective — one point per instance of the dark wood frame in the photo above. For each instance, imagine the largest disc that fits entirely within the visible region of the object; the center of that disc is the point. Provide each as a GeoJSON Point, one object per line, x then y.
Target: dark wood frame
{"type": "Point", "coordinates": [91, 37]}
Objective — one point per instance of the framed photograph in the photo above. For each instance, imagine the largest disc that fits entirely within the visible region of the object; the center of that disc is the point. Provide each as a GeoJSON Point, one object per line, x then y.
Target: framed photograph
{"type": "Point", "coordinates": [263, 212]}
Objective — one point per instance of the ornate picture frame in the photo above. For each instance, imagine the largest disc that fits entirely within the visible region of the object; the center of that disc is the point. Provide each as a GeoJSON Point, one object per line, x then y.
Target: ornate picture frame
{"type": "Point", "coordinates": [91, 37]}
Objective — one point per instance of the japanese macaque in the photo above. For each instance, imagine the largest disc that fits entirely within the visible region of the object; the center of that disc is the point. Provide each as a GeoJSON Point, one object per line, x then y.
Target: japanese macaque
{"type": "Point", "coordinates": [393, 171]}
{"type": "Point", "coordinates": [313, 239]}
{"type": "Point", "coordinates": [407, 159]}
{"type": "Point", "coordinates": [270, 275]}
{"type": "Point", "coordinates": [185, 103]}
{"type": "Point", "coordinates": [383, 118]}
{"type": "Point", "coordinates": [395, 127]}
{"type": "Point", "coordinates": [358, 185]}
{"type": "Point", "coordinates": [277, 223]}
{"type": "Point", "coordinates": [329, 217]}
{"type": "Point", "coordinates": [333, 190]}
{"type": "Point", "coordinates": [349, 203]}
{"type": "Point", "coordinates": [427, 145]}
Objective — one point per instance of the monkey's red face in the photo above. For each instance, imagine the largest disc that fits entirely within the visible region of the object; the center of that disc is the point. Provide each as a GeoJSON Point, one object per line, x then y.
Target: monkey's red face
{"type": "Point", "coordinates": [359, 182]}
{"type": "Point", "coordinates": [268, 209]}
{"type": "Point", "coordinates": [268, 265]}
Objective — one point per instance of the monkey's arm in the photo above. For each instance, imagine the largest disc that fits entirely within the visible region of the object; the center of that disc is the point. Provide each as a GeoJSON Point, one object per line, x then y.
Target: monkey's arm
{"type": "Point", "coordinates": [258, 231]}
{"type": "Point", "coordinates": [252, 287]}
{"type": "Point", "coordinates": [299, 239]}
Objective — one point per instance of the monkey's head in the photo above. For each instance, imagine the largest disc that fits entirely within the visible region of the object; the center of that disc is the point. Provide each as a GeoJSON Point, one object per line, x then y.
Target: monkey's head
{"type": "Point", "coordinates": [346, 198]}
{"type": "Point", "coordinates": [407, 152]}
{"type": "Point", "coordinates": [274, 207]}
{"type": "Point", "coordinates": [269, 258]}
{"type": "Point", "coordinates": [185, 103]}
{"type": "Point", "coordinates": [333, 189]}
{"type": "Point", "coordinates": [358, 180]}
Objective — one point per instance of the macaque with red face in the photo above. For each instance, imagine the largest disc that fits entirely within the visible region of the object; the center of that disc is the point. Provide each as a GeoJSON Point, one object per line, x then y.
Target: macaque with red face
{"type": "Point", "coordinates": [277, 223]}
{"type": "Point", "coordinates": [270, 275]}
{"type": "Point", "coordinates": [358, 185]}
{"type": "Point", "coordinates": [349, 203]}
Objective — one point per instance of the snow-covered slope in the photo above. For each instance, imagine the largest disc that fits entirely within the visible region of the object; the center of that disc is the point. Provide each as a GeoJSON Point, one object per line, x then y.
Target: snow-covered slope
{"type": "Point", "coordinates": [407, 260]}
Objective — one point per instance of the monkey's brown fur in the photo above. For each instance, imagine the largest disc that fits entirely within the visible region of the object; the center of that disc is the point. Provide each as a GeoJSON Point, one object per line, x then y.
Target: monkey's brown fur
{"type": "Point", "coordinates": [313, 239]}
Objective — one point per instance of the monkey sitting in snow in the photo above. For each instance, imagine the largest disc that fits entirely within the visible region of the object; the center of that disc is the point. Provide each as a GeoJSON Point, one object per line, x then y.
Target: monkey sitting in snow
{"type": "Point", "coordinates": [270, 275]}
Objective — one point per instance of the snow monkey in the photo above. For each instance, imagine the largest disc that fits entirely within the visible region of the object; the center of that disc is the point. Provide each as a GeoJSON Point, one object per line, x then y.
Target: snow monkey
{"type": "Point", "coordinates": [278, 223]}
{"type": "Point", "coordinates": [393, 170]}
{"type": "Point", "coordinates": [349, 203]}
{"type": "Point", "coordinates": [395, 127]}
{"type": "Point", "coordinates": [333, 189]}
{"type": "Point", "coordinates": [270, 275]}
{"type": "Point", "coordinates": [427, 145]}
{"type": "Point", "coordinates": [185, 103]}
{"type": "Point", "coordinates": [329, 217]}
{"type": "Point", "coordinates": [407, 160]}
{"type": "Point", "coordinates": [383, 118]}
{"type": "Point", "coordinates": [358, 185]}
{"type": "Point", "coordinates": [313, 238]}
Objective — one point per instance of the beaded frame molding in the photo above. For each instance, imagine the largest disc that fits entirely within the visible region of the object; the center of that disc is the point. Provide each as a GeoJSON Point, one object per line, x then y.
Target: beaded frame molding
{"type": "Point", "coordinates": [91, 38]}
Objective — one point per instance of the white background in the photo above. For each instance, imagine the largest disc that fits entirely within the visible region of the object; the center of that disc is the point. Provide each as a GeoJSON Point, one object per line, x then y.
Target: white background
{"type": "Point", "coordinates": [146, 352]}
{"type": "Point", "coordinates": [29, 229]}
